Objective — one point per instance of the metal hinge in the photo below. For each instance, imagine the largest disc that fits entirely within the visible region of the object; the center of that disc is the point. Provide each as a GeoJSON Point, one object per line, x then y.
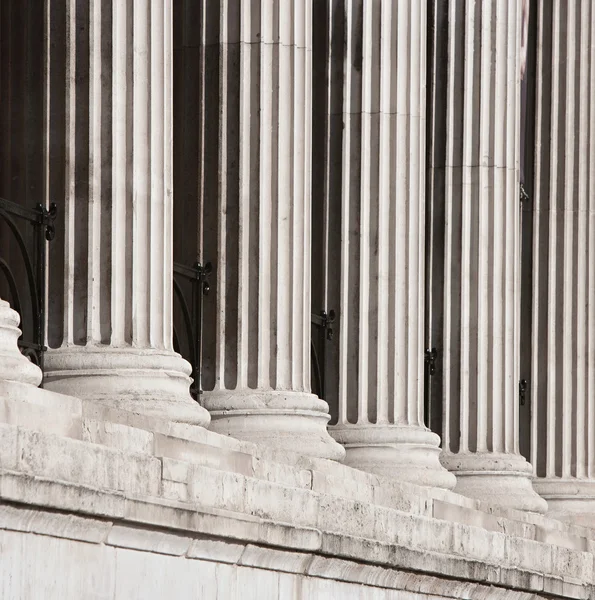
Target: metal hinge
{"type": "Point", "coordinates": [327, 320]}
{"type": "Point", "coordinates": [524, 197]}
{"type": "Point", "coordinates": [430, 356]}
{"type": "Point", "coordinates": [522, 391]}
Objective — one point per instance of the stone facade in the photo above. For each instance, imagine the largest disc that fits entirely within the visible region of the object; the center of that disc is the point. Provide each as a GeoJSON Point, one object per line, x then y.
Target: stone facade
{"type": "Point", "coordinates": [348, 157]}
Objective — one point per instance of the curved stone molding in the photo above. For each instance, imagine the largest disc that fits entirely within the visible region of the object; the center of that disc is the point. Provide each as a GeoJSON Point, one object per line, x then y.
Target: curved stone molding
{"type": "Point", "coordinates": [475, 204]}
{"type": "Point", "coordinates": [563, 274]}
{"type": "Point", "coordinates": [294, 421]}
{"type": "Point", "coordinates": [404, 452]}
{"type": "Point", "coordinates": [375, 56]}
{"type": "Point", "coordinates": [110, 318]}
{"type": "Point", "coordinates": [496, 478]}
{"type": "Point", "coordinates": [13, 365]}
{"type": "Point", "coordinates": [146, 381]}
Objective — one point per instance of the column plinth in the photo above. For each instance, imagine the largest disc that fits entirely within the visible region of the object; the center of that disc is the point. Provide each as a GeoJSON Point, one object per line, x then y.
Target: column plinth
{"type": "Point", "coordinates": [495, 478]}
{"type": "Point", "coordinates": [402, 452]}
{"type": "Point", "coordinates": [110, 309]}
{"type": "Point", "coordinates": [13, 365]}
{"type": "Point", "coordinates": [147, 381]}
{"type": "Point", "coordinates": [291, 420]}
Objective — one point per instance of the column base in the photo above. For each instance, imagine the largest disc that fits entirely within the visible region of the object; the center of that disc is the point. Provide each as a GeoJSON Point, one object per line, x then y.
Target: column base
{"type": "Point", "coordinates": [143, 381]}
{"type": "Point", "coordinates": [407, 453]}
{"type": "Point", "coordinates": [294, 421]}
{"type": "Point", "coordinates": [570, 500]}
{"type": "Point", "coordinates": [13, 365]}
{"type": "Point", "coordinates": [502, 480]}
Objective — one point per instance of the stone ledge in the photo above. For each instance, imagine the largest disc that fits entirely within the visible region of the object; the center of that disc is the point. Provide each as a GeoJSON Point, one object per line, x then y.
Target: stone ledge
{"type": "Point", "coordinates": [179, 529]}
{"type": "Point", "coordinates": [188, 444]}
{"type": "Point", "coordinates": [338, 558]}
{"type": "Point", "coordinates": [137, 436]}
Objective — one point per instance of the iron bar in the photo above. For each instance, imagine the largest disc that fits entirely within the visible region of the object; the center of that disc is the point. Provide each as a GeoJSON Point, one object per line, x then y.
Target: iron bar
{"type": "Point", "coordinates": [32, 341]}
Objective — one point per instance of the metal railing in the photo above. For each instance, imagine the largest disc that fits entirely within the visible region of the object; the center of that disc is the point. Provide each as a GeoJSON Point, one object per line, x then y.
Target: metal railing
{"type": "Point", "coordinates": [26, 278]}
{"type": "Point", "coordinates": [322, 332]}
{"type": "Point", "coordinates": [191, 284]}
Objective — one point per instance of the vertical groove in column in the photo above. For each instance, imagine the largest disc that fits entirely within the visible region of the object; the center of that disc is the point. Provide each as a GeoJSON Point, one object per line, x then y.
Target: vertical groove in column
{"type": "Point", "coordinates": [383, 119]}
{"type": "Point", "coordinates": [381, 167]}
{"type": "Point", "coordinates": [562, 368]}
{"type": "Point", "coordinates": [118, 155]}
{"type": "Point", "coordinates": [482, 252]}
{"type": "Point", "coordinates": [257, 219]}
{"type": "Point", "coordinates": [115, 138]}
{"type": "Point", "coordinates": [482, 146]}
{"type": "Point", "coordinates": [263, 49]}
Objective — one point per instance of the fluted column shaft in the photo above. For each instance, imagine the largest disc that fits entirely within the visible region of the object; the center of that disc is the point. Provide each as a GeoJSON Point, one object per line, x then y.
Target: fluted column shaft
{"type": "Point", "coordinates": [563, 372]}
{"type": "Point", "coordinates": [480, 166]}
{"type": "Point", "coordinates": [379, 173]}
{"type": "Point", "coordinates": [109, 118]}
{"type": "Point", "coordinates": [257, 225]}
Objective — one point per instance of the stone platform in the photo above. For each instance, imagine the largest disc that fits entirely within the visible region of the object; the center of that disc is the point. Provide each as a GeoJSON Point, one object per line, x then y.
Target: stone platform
{"type": "Point", "coordinates": [137, 507]}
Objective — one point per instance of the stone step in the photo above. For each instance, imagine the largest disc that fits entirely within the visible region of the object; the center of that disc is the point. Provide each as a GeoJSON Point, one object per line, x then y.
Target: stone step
{"type": "Point", "coordinates": [175, 442]}
{"type": "Point", "coordinates": [51, 458]}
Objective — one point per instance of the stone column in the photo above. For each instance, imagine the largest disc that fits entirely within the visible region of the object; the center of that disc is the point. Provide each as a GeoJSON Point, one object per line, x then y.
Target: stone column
{"type": "Point", "coordinates": [110, 122]}
{"type": "Point", "coordinates": [481, 302]}
{"type": "Point", "coordinates": [379, 173]}
{"type": "Point", "coordinates": [563, 341]}
{"type": "Point", "coordinates": [14, 367]}
{"type": "Point", "coordinates": [257, 225]}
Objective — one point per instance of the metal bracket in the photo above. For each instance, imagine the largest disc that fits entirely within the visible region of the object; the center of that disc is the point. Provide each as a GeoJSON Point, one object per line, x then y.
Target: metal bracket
{"type": "Point", "coordinates": [327, 321]}
{"type": "Point", "coordinates": [48, 216]}
{"type": "Point", "coordinates": [522, 391]}
{"type": "Point", "coordinates": [430, 356]}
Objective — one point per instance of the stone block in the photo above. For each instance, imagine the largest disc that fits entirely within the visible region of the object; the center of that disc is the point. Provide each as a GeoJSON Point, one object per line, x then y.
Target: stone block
{"type": "Point", "coordinates": [392, 495]}
{"type": "Point", "coordinates": [143, 575]}
{"type": "Point", "coordinates": [203, 454]}
{"type": "Point", "coordinates": [280, 503]}
{"type": "Point", "coordinates": [351, 547]}
{"type": "Point", "coordinates": [528, 555]}
{"type": "Point", "coordinates": [60, 495]}
{"type": "Point", "coordinates": [35, 408]}
{"type": "Point", "coordinates": [148, 540]}
{"type": "Point", "coordinates": [348, 571]}
{"type": "Point", "coordinates": [90, 464]}
{"type": "Point", "coordinates": [326, 483]}
{"type": "Point", "coordinates": [275, 560]}
{"type": "Point", "coordinates": [54, 524]}
{"type": "Point", "coordinates": [8, 446]}
{"type": "Point", "coordinates": [39, 566]}
{"type": "Point", "coordinates": [282, 474]}
{"type": "Point", "coordinates": [518, 579]}
{"type": "Point", "coordinates": [342, 515]}
{"type": "Point", "coordinates": [565, 589]}
{"type": "Point", "coordinates": [572, 564]}
{"type": "Point", "coordinates": [560, 537]}
{"type": "Point", "coordinates": [257, 584]}
{"type": "Point", "coordinates": [174, 490]}
{"type": "Point", "coordinates": [120, 437]}
{"type": "Point", "coordinates": [289, 536]}
{"type": "Point", "coordinates": [218, 489]}
{"type": "Point", "coordinates": [175, 470]}
{"type": "Point", "coordinates": [215, 550]}
{"type": "Point", "coordinates": [479, 544]}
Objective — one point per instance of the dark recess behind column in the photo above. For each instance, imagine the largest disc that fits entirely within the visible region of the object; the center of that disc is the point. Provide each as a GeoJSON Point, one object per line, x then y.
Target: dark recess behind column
{"type": "Point", "coordinates": [527, 207]}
